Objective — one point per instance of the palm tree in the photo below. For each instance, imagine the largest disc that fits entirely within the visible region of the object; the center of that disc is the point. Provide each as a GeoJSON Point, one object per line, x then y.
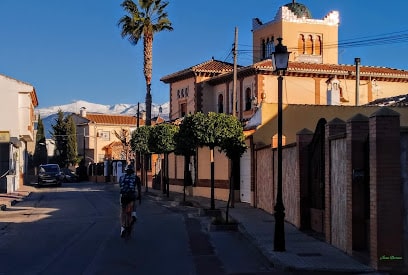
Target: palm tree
{"type": "Point", "coordinates": [144, 20]}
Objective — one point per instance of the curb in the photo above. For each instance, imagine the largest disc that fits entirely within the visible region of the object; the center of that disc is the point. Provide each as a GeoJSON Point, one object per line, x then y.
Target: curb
{"type": "Point", "coordinates": [3, 206]}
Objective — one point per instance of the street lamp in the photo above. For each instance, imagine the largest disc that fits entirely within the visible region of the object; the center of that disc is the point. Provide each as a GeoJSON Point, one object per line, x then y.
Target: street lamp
{"type": "Point", "coordinates": [280, 58]}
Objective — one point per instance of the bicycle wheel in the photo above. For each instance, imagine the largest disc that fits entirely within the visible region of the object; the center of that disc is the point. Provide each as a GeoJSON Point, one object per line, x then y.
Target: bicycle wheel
{"type": "Point", "coordinates": [128, 220]}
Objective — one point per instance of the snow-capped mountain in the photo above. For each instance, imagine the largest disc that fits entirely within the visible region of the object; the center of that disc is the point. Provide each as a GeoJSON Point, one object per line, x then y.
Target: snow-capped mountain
{"type": "Point", "coordinates": [49, 114]}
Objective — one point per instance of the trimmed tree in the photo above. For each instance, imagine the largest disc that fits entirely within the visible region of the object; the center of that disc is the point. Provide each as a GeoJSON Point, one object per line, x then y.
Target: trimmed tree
{"type": "Point", "coordinates": [187, 141]}
{"type": "Point", "coordinates": [233, 145]}
{"type": "Point", "coordinates": [140, 143]}
{"type": "Point", "coordinates": [162, 141]}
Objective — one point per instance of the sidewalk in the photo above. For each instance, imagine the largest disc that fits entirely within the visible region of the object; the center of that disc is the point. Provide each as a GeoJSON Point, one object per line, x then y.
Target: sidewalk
{"type": "Point", "coordinates": [10, 199]}
{"type": "Point", "coordinates": [303, 252]}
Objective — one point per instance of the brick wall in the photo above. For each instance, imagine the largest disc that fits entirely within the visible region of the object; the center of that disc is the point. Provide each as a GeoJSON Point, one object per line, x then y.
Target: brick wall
{"type": "Point", "coordinates": [385, 191]}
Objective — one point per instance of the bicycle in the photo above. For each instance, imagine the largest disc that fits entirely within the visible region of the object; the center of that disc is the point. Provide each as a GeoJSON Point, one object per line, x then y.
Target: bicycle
{"type": "Point", "coordinates": [128, 223]}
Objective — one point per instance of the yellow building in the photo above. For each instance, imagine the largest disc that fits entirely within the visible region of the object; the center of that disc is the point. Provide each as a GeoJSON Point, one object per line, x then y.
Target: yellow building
{"type": "Point", "coordinates": [313, 77]}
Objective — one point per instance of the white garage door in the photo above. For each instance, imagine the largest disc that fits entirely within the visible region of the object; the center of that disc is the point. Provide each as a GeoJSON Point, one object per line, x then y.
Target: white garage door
{"type": "Point", "coordinates": [245, 184]}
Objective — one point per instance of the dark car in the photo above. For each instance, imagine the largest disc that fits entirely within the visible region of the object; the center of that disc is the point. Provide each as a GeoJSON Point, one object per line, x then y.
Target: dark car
{"type": "Point", "coordinates": [49, 174]}
{"type": "Point", "coordinates": [68, 175]}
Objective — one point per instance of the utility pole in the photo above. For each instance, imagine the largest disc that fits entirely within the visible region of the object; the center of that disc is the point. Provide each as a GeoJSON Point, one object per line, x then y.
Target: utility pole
{"type": "Point", "coordinates": [234, 107]}
{"type": "Point", "coordinates": [357, 62]}
{"type": "Point", "coordinates": [234, 83]}
{"type": "Point", "coordinates": [137, 116]}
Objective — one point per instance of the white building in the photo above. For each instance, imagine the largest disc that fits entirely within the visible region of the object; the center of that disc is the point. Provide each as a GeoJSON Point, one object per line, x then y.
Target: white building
{"type": "Point", "coordinates": [18, 100]}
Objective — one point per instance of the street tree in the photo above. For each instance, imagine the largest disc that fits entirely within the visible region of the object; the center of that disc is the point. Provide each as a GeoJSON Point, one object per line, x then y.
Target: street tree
{"type": "Point", "coordinates": [140, 143]}
{"type": "Point", "coordinates": [40, 153]}
{"type": "Point", "coordinates": [217, 130]}
{"type": "Point", "coordinates": [124, 137]}
{"type": "Point", "coordinates": [72, 146]}
{"type": "Point", "coordinates": [64, 134]}
{"type": "Point", "coordinates": [209, 133]}
{"type": "Point", "coordinates": [233, 145]}
{"type": "Point", "coordinates": [143, 21]}
{"type": "Point", "coordinates": [59, 134]}
{"type": "Point", "coordinates": [186, 143]}
{"type": "Point", "coordinates": [161, 141]}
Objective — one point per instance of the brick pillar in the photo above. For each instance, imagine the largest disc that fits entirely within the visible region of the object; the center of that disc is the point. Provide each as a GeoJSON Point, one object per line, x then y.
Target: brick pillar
{"type": "Point", "coordinates": [303, 138]}
{"type": "Point", "coordinates": [386, 226]}
{"type": "Point", "coordinates": [357, 198]}
{"type": "Point", "coordinates": [333, 128]}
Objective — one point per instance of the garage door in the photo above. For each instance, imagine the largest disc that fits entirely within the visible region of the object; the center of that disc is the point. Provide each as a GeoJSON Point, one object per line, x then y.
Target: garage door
{"type": "Point", "coordinates": [245, 184]}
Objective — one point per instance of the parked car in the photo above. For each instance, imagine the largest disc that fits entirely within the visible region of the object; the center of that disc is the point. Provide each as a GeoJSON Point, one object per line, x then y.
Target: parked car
{"type": "Point", "coordinates": [49, 174]}
{"type": "Point", "coordinates": [69, 175]}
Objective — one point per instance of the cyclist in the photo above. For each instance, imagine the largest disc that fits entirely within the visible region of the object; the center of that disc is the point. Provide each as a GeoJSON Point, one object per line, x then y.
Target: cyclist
{"type": "Point", "coordinates": [128, 184]}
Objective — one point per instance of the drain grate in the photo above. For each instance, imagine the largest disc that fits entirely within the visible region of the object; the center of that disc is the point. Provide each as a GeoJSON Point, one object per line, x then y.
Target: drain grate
{"type": "Point", "coordinates": [308, 254]}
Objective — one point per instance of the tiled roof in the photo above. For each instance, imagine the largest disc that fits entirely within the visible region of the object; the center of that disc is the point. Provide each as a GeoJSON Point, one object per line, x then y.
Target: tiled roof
{"type": "Point", "coordinates": [213, 67]}
{"type": "Point", "coordinates": [113, 144]}
{"type": "Point", "coordinates": [321, 70]}
{"type": "Point", "coordinates": [298, 67]}
{"type": "Point", "coordinates": [113, 119]}
{"type": "Point", "coordinates": [395, 101]}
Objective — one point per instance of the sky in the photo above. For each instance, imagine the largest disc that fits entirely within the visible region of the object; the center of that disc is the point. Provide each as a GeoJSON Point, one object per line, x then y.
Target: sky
{"type": "Point", "coordinates": [72, 50]}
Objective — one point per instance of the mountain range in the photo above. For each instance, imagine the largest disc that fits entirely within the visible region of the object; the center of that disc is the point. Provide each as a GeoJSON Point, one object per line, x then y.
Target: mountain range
{"type": "Point", "coordinates": [49, 114]}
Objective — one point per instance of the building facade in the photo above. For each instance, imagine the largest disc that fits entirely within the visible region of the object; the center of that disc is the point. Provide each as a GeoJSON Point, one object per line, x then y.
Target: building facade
{"type": "Point", "coordinates": [19, 100]}
{"type": "Point", "coordinates": [315, 87]}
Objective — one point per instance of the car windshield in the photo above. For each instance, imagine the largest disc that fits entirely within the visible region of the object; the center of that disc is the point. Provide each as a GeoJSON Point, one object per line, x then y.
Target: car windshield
{"type": "Point", "coordinates": [50, 169]}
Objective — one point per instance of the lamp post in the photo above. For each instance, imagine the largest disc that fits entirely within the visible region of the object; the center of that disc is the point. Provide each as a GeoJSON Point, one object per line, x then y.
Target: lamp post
{"type": "Point", "coordinates": [280, 58]}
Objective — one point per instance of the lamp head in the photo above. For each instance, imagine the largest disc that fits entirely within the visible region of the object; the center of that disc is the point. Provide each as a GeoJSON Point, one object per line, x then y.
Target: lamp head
{"type": "Point", "coordinates": [280, 57]}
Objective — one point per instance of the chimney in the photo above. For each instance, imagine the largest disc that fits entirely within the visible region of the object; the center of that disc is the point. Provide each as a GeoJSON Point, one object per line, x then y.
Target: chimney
{"type": "Point", "coordinates": [143, 115]}
{"type": "Point", "coordinates": [82, 112]}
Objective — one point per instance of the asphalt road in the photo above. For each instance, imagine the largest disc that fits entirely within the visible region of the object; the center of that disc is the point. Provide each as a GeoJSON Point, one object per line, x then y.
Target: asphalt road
{"type": "Point", "coordinates": [74, 229]}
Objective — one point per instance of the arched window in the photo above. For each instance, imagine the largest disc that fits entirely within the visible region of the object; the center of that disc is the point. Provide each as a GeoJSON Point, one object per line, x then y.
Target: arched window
{"type": "Point", "coordinates": [263, 49]}
{"type": "Point", "coordinates": [309, 45]}
{"type": "Point", "coordinates": [301, 44]}
{"type": "Point", "coordinates": [220, 103]}
{"type": "Point", "coordinates": [270, 47]}
{"type": "Point", "coordinates": [248, 99]}
{"type": "Point", "coordinates": [318, 45]}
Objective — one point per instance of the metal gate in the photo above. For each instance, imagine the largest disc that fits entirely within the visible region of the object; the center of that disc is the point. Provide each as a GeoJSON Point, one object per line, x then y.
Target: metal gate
{"type": "Point", "coordinates": [316, 181]}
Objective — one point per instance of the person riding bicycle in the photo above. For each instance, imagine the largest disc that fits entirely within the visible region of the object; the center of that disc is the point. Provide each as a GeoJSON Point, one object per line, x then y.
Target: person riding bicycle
{"type": "Point", "coordinates": [128, 184]}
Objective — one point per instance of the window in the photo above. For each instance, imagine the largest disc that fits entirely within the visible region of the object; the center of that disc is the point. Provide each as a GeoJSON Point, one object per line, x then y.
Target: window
{"type": "Point", "coordinates": [183, 109]}
{"type": "Point", "coordinates": [220, 103]}
{"type": "Point", "coordinates": [318, 45]}
{"type": "Point", "coordinates": [301, 44]}
{"type": "Point", "coordinates": [248, 99]}
{"type": "Point", "coordinates": [309, 45]}
{"type": "Point", "coordinates": [104, 135]}
{"type": "Point", "coordinates": [267, 47]}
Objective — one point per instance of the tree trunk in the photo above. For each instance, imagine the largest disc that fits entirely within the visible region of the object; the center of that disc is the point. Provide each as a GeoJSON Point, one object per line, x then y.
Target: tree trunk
{"type": "Point", "coordinates": [166, 174]}
{"type": "Point", "coordinates": [212, 178]}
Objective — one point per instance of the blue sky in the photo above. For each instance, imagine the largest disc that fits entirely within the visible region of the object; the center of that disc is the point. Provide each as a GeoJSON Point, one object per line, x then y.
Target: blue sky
{"type": "Point", "coordinates": [72, 50]}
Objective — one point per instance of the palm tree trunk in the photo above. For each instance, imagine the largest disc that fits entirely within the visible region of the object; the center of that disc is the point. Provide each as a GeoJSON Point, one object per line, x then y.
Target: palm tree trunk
{"type": "Point", "coordinates": [147, 70]}
{"type": "Point", "coordinates": [148, 105]}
